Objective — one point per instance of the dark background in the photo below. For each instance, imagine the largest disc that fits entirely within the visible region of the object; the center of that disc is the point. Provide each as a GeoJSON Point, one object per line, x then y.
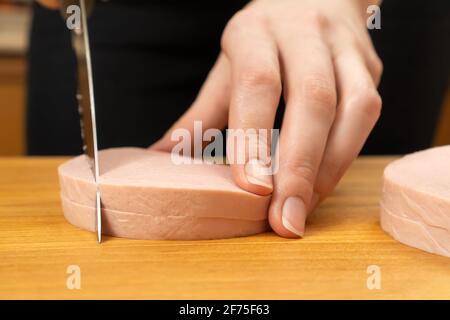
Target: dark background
{"type": "Point", "coordinates": [150, 59]}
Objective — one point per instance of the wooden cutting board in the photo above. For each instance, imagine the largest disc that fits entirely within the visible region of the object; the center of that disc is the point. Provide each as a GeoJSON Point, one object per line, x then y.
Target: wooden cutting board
{"type": "Point", "coordinates": [344, 254]}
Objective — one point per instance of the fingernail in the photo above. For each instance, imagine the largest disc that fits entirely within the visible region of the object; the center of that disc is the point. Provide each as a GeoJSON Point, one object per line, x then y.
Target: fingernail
{"type": "Point", "coordinates": [294, 215]}
{"type": "Point", "coordinates": [257, 174]}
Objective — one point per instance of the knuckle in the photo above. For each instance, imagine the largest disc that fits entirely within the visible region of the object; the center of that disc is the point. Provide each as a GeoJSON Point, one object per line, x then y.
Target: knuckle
{"type": "Point", "coordinates": [322, 93]}
{"type": "Point", "coordinates": [315, 19]}
{"type": "Point", "coordinates": [377, 65]}
{"type": "Point", "coordinates": [368, 101]}
{"type": "Point", "coordinates": [320, 90]}
{"type": "Point", "coordinates": [242, 19]}
{"type": "Point", "coordinates": [304, 172]}
{"type": "Point", "coordinates": [236, 25]}
{"type": "Point", "coordinates": [373, 104]}
{"type": "Point", "coordinates": [267, 76]}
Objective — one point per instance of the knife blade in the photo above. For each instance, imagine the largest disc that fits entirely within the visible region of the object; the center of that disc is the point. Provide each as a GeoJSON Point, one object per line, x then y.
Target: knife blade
{"type": "Point", "coordinates": [85, 96]}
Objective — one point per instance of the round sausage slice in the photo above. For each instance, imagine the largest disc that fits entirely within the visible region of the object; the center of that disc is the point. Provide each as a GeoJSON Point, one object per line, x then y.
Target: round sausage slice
{"type": "Point", "coordinates": [155, 195]}
{"type": "Point", "coordinates": [415, 205]}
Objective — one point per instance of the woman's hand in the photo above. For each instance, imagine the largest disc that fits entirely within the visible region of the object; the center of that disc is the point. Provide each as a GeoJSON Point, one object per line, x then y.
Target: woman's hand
{"type": "Point", "coordinates": [318, 53]}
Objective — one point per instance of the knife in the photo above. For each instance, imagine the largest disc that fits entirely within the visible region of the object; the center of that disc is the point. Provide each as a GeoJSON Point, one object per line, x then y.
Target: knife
{"type": "Point", "coordinates": [75, 13]}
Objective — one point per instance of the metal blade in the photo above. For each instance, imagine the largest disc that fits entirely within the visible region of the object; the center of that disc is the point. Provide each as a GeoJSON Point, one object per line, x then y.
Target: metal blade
{"type": "Point", "coordinates": [85, 96]}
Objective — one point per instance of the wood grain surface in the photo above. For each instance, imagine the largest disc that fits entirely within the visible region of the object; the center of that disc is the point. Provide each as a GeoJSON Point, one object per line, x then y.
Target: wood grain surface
{"type": "Point", "coordinates": [342, 240]}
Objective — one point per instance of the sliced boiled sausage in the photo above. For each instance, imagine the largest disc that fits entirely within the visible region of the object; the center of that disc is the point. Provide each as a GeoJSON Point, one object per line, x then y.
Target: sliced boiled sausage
{"type": "Point", "coordinates": [415, 205]}
{"type": "Point", "coordinates": [146, 195]}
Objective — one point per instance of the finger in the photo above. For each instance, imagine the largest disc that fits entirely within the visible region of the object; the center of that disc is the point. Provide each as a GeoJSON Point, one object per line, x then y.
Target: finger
{"type": "Point", "coordinates": [210, 106]}
{"type": "Point", "coordinates": [367, 51]}
{"type": "Point", "coordinates": [255, 94]}
{"type": "Point", "coordinates": [358, 110]}
{"type": "Point", "coordinates": [359, 40]}
{"type": "Point", "coordinates": [362, 43]}
{"type": "Point", "coordinates": [373, 63]}
{"type": "Point", "coordinates": [310, 110]}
